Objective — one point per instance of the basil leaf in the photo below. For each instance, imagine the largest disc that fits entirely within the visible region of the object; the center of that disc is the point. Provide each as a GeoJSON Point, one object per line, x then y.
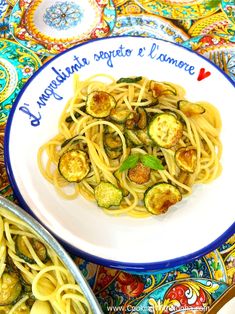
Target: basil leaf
{"type": "Point", "coordinates": [129, 162]}
{"type": "Point", "coordinates": [151, 162]}
{"type": "Point", "coordinates": [129, 79]}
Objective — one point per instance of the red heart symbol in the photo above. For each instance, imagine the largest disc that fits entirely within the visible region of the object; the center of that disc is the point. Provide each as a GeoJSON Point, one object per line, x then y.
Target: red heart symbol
{"type": "Point", "coordinates": [203, 74]}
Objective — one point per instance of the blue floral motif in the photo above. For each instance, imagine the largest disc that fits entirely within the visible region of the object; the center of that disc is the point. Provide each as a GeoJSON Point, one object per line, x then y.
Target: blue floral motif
{"type": "Point", "coordinates": [63, 15]}
{"type": "Point", "coordinates": [3, 7]}
{"type": "Point", "coordinates": [4, 28]}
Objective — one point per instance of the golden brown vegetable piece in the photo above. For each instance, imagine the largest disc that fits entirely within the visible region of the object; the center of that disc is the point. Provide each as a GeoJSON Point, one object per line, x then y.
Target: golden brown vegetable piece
{"type": "Point", "coordinates": [186, 159]}
{"type": "Point", "coordinates": [73, 165]}
{"type": "Point", "coordinates": [189, 108]}
{"type": "Point", "coordinates": [159, 89]}
{"type": "Point", "coordinates": [10, 288]}
{"type": "Point", "coordinates": [160, 197]}
{"type": "Point", "coordinates": [165, 130]}
{"type": "Point", "coordinates": [23, 252]}
{"type": "Point", "coordinates": [139, 174]}
{"type": "Point", "coordinates": [99, 104]}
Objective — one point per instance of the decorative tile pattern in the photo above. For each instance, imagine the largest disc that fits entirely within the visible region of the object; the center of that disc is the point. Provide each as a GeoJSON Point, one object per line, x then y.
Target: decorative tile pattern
{"type": "Point", "coordinates": [205, 26]}
{"type": "Point", "coordinates": [63, 15]}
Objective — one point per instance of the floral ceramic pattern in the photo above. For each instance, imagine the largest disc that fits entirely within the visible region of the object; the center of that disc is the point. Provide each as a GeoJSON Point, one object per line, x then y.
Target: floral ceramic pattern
{"type": "Point", "coordinates": [12, 2]}
{"type": "Point", "coordinates": [3, 8]}
{"type": "Point", "coordinates": [132, 295]}
{"type": "Point", "coordinates": [4, 28]}
{"type": "Point", "coordinates": [182, 296]}
{"type": "Point", "coordinates": [223, 56]}
{"type": "Point", "coordinates": [70, 23]}
{"type": "Point", "coordinates": [216, 24]}
{"type": "Point", "coordinates": [63, 15]}
{"type": "Point", "coordinates": [217, 266]}
{"type": "Point", "coordinates": [148, 25]}
{"type": "Point", "coordinates": [220, 50]}
{"type": "Point", "coordinates": [119, 2]}
{"type": "Point", "coordinates": [132, 290]}
{"type": "Point", "coordinates": [228, 246]}
{"type": "Point", "coordinates": [228, 6]}
{"type": "Point", "coordinates": [180, 10]}
{"type": "Point", "coordinates": [17, 65]}
{"type": "Point", "coordinates": [5, 188]}
{"type": "Point", "coordinates": [209, 33]}
{"type": "Point", "coordinates": [130, 7]}
{"type": "Point", "coordinates": [230, 266]}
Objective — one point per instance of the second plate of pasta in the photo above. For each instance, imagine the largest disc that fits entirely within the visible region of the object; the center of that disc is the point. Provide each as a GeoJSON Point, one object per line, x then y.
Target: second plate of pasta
{"type": "Point", "coordinates": [120, 147]}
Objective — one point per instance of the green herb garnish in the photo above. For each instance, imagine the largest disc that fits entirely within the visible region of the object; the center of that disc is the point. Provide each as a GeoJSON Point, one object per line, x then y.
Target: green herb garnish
{"type": "Point", "coordinates": [130, 162]}
{"type": "Point", "coordinates": [129, 79]}
{"type": "Point", "coordinates": [147, 160]}
{"type": "Point", "coordinates": [151, 162]}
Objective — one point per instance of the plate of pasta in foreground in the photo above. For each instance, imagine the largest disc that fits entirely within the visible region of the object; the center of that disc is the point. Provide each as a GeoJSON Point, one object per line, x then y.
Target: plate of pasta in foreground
{"type": "Point", "coordinates": [122, 148]}
{"type": "Point", "coordinates": [36, 274]}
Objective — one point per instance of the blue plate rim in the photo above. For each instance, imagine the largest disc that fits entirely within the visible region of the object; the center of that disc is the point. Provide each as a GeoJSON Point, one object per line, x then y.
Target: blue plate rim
{"type": "Point", "coordinates": [127, 266]}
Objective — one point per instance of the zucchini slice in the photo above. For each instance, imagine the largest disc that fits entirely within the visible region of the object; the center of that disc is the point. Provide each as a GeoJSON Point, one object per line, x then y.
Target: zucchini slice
{"type": "Point", "coordinates": [73, 165]}
{"type": "Point", "coordinates": [109, 129]}
{"type": "Point", "coordinates": [189, 108]}
{"type": "Point", "coordinates": [132, 121]}
{"type": "Point", "coordinates": [119, 115]}
{"type": "Point", "coordinates": [159, 89]}
{"type": "Point", "coordinates": [112, 154]}
{"type": "Point", "coordinates": [159, 197]}
{"type": "Point", "coordinates": [99, 104]}
{"type": "Point", "coordinates": [144, 137]}
{"type": "Point", "coordinates": [140, 174]}
{"type": "Point", "coordinates": [143, 120]}
{"type": "Point", "coordinates": [165, 130]}
{"type": "Point", "coordinates": [186, 159]}
{"type": "Point", "coordinates": [133, 138]}
{"type": "Point", "coordinates": [106, 195]}
{"type": "Point", "coordinates": [112, 141]}
{"type": "Point", "coordinates": [10, 288]}
{"type": "Point", "coordinates": [23, 252]}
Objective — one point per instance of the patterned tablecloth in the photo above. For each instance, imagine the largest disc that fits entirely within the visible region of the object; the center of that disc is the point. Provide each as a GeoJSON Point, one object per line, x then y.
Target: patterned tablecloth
{"type": "Point", "coordinates": [33, 31]}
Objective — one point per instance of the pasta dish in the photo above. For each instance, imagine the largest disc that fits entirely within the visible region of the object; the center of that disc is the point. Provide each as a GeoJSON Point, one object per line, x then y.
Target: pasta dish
{"type": "Point", "coordinates": [32, 277]}
{"type": "Point", "coordinates": [134, 146]}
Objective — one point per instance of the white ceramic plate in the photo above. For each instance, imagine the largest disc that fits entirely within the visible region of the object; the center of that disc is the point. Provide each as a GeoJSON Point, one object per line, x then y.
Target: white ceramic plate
{"type": "Point", "coordinates": [192, 228]}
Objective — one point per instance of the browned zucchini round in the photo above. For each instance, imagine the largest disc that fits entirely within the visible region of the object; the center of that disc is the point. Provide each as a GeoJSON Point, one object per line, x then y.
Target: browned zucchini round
{"type": "Point", "coordinates": [99, 104]}
{"type": "Point", "coordinates": [23, 252]}
{"type": "Point", "coordinates": [140, 174]}
{"type": "Point", "coordinates": [73, 165]}
{"type": "Point", "coordinates": [189, 108]}
{"type": "Point", "coordinates": [160, 197]}
{"type": "Point", "coordinates": [186, 159]}
{"type": "Point", "coordinates": [165, 130]}
{"type": "Point", "coordinates": [112, 141]}
{"type": "Point", "coordinates": [160, 89]}
{"type": "Point", "coordinates": [10, 288]}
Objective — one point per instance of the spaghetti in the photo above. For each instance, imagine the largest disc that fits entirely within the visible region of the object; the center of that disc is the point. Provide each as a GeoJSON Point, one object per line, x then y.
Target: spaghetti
{"type": "Point", "coordinates": [31, 274]}
{"type": "Point", "coordinates": [135, 146]}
